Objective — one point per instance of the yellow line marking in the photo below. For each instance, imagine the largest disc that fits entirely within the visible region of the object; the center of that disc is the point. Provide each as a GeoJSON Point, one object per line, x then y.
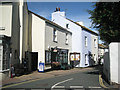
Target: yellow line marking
{"type": "Point", "coordinates": [20, 83]}
{"type": "Point", "coordinates": [101, 82]}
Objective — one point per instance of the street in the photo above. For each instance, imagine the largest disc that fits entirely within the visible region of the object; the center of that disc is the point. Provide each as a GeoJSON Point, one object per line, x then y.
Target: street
{"type": "Point", "coordinates": [81, 79]}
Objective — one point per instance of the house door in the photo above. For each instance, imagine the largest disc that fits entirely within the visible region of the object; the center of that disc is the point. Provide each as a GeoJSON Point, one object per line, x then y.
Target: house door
{"type": "Point", "coordinates": [34, 61]}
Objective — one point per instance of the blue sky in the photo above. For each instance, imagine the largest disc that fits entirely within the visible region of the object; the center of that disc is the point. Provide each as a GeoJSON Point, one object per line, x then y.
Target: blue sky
{"type": "Point", "coordinates": [76, 11]}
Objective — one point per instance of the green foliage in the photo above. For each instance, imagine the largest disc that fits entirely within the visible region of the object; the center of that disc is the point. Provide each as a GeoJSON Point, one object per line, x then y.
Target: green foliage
{"type": "Point", "coordinates": [106, 19]}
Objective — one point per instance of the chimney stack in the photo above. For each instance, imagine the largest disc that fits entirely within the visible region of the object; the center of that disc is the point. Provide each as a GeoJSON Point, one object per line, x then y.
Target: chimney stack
{"type": "Point", "coordinates": [57, 9]}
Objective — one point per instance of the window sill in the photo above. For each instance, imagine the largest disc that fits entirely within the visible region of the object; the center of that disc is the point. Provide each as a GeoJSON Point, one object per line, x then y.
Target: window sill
{"type": "Point", "coordinates": [4, 70]}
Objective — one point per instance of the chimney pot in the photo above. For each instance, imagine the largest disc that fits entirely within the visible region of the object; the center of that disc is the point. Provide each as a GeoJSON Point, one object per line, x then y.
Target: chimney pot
{"type": "Point", "coordinates": [59, 9]}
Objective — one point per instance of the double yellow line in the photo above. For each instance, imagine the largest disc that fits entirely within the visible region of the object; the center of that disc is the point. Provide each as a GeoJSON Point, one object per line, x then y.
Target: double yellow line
{"type": "Point", "coordinates": [101, 81]}
{"type": "Point", "coordinates": [20, 83]}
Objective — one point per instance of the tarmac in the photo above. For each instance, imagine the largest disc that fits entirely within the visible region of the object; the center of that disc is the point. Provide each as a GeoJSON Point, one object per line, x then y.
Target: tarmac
{"type": "Point", "coordinates": [40, 75]}
{"type": "Point", "coordinates": [43, 75]}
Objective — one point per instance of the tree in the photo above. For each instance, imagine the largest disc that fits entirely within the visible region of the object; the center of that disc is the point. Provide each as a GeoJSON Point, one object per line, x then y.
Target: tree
{"type": "Point", "coordinates": [106, 19]}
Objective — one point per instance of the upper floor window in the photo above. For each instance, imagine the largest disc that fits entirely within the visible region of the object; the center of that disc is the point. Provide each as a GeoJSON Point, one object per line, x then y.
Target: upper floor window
{"type": "Point", "coordinates": [55, 35]}
{"type": "Point", "coordinates": [66, 39]}
{"type": "Point", "coordinates": [67, 25]}
{"type": "Point", "coordinates": [95, 43]}
{"type": "Point", "coordinates": [2, 28]}
{"type": "Point", "coordinates": [86, 41]}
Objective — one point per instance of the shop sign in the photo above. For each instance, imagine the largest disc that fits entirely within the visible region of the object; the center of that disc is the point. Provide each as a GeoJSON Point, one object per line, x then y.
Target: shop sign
{"type": "Point", "coordinates": [54, 50]}
{"type": "Point", "coordinates": [74, 56]}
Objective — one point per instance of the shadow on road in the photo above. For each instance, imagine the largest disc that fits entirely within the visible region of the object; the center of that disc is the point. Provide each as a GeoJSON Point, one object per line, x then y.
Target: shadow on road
{"type": "Point", "coordinates": [96, 70]}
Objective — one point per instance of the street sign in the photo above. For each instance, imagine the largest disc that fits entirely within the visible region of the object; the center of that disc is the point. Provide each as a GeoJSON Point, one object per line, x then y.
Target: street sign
{"type": "Point", "coordinates": [41, 67]}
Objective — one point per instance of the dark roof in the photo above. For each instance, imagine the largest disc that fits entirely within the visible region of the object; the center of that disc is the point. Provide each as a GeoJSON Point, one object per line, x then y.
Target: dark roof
{"type": "Point", "coordinates": [48, 21]}
{"type": "Point", "coordinates": [83, 27]}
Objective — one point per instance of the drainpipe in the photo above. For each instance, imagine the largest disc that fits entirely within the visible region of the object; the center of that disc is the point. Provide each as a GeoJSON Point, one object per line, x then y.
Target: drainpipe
{"type": "Point", "coordinates": [21, 28]}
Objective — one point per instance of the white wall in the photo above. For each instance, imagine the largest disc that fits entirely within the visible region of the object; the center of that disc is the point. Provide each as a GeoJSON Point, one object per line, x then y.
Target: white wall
{"type": "Point", "coordinates": [6, 19]}
{"type": "Point", "coordinates": [38, 37]}
{"type": "Point", "coordinates": [25, 29]}
{"type": "Point", "coordinates": [111, 67]}
{"type": "Point", "coordinates": [114, 62]}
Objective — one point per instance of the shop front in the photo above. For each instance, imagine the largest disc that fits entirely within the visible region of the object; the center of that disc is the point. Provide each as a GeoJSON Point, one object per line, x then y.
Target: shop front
{"type": "Point", "coordinates": [74, 59]}
{"type": "Point", "coordinates": [57, 58]}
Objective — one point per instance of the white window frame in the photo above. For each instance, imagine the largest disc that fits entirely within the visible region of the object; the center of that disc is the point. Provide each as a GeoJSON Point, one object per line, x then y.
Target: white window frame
{"type": "Point", "coordinates": [86, 41]}
{"type": "Point", "coordinates": [66, 40]}
{"type": "Point", "coordinates": [55, 35]}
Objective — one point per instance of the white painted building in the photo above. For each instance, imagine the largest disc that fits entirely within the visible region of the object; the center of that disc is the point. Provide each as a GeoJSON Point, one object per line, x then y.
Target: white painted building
{"type": "Point", "coordinates": [84, 40]}
{"type": "Point", "coordinates": [48, 41]}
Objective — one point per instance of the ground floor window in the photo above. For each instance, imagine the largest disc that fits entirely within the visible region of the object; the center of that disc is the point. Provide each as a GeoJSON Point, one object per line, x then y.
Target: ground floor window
{"type": "Point", "coordinates": [4, 57]}
{"type": "Point", "coordinates": [47, 57]}
{"type": "Point", "coordinates": [63, 56]}
{"type": "Point", "coordinates": [59, 56]}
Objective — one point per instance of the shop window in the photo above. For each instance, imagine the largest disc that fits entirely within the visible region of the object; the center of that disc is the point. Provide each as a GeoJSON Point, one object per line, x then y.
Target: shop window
{"type": "Point", "coordinates": [4, 57]}
{"type": "Point", "coordinates": [47, 57]}
{"type": "Point", "coordinates": [55, 35]}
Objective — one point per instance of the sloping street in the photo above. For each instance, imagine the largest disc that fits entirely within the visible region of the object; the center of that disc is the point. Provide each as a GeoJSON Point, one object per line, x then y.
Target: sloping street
{"type": "Point", "coordinates": [82, 78]}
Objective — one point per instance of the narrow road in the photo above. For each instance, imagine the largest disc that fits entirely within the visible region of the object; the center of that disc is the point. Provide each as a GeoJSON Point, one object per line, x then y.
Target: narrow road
{"type": "Point", "coordinates": [84, 79]}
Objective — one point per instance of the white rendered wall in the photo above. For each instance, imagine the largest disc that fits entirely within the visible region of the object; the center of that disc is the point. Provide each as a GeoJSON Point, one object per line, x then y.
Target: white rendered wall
{"type": "Point", "coordinates": [114, 62]}
{"type": "Point", "coordinates": [38, 37]}
{"type": "Point", "coordinates": [6, 19]}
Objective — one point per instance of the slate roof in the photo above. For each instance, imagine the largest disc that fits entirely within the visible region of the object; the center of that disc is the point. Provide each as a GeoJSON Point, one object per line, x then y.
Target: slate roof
{"type": "Point", "coordinates": [83, 27]}
{"type": "Point", "coordinates": [48, 21]}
